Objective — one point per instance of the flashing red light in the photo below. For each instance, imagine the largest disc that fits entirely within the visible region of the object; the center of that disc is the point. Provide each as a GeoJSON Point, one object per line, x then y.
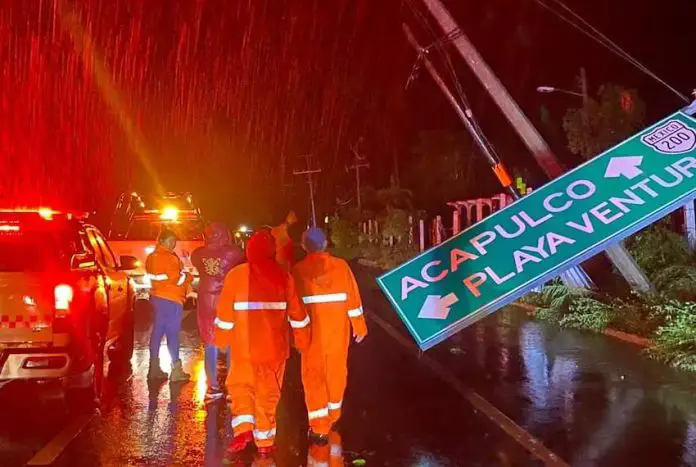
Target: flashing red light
{"type": "Point", "coordinates": [170, 214]}
{"type": "Point", "coordinates": [46, 213]}
{"type": "Point", "coordinates": [63, 295]}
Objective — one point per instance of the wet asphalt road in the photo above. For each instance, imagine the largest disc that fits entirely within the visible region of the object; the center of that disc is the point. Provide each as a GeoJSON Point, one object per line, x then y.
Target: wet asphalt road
{"type": "Point", "coordinates": [589, 399]}
{"type": "Point", "coordinates": [396, 414]}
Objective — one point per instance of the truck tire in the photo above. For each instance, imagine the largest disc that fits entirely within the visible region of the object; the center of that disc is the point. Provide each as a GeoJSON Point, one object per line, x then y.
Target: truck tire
{"type": "Point", "coordinates": [121, 352]}
{"type": "Point", "coordinates": [86, 399]}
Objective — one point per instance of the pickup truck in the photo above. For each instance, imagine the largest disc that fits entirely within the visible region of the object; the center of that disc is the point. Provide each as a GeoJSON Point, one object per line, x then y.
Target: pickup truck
{"type": "Point", "coordinates": [140, 238]}
{"type": "Point", "coordinates": [66, 303]}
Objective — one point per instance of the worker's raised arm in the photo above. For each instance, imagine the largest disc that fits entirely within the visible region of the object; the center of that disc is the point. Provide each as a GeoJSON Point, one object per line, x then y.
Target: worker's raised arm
{"type": "Point", "coordinates": [298, 317]}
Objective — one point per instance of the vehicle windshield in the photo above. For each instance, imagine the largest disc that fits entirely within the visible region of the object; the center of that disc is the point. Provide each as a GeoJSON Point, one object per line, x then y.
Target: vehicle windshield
{"type": "Point", "coordinates": [144, 229]}
{"type": "Point", "coordinates": [35, 251]}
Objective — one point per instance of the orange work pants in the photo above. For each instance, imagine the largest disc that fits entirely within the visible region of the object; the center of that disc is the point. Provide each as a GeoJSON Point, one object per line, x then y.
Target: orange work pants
{"type": "Point", "coordinates": [328, 455]}
{"type": "Point", "coordinates": [324, 377]}
{"type": "Point", "coordinates": [254, 392]}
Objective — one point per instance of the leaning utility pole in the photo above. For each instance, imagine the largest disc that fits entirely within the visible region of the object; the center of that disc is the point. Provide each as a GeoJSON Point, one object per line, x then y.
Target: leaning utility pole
{"type": "Point", "coordinates": [574, 277]}
{"type": "Point", "coordinates": [541, 151]}
{"type": "Point", "coordinates": [467, 118]}
{"type": "Point", "coordinates": [357, 165]}
{"type": "Point", "coordinates": [309, 172]}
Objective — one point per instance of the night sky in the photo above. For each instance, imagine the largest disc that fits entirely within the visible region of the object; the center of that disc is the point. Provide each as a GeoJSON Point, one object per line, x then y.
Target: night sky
{"type": "Point", "coordinates": [221, 97]}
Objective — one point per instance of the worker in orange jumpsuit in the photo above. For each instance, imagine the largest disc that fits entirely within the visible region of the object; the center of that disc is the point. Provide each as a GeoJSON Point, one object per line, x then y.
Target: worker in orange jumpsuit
{"type": "Point", "coordinates": [257, 302]}
{"type": "Point", "coordinates": [170, 284]}
{"type": "Point", "coordinates": [283, 242]}
{"type": "Point", "coordinates": [324, 455]}
{"type": "Point", "coordinates": [329, 291]}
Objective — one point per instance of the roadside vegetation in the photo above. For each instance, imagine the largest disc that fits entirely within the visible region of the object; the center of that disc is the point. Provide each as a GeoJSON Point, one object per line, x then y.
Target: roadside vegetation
{"type": "Point", "coordinates": [668, 316]}
{"type": "Point", "coordinates": [387, 248]}
{"type": "Point", "coordinates": [388, 243]}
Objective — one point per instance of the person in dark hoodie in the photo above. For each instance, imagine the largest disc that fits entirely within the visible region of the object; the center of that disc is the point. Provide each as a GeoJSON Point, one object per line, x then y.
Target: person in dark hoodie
{"type": "Point", "coordinates": [213, 261]}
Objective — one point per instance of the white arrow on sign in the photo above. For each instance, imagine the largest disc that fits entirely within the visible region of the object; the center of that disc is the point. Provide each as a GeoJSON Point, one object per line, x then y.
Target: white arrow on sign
{"type": "Point", "coordinates": [436, 307]}
{"type": "Point", "coordinates": [628, 166]}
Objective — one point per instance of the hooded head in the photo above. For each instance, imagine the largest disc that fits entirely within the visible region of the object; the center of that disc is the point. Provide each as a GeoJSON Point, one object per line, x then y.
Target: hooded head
{"type": "Point", "coordinates": [261, 255]}
{"type": "Point", "coordinates": [260, 247]}
{"type": "Point", "coordinates": [217, 234]}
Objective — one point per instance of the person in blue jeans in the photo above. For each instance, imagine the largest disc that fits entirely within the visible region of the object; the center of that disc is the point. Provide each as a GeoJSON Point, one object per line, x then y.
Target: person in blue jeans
{"type": "Point", "coordinates": [213, 261]}
{"type": "Point", "coordinates": [170, 284]}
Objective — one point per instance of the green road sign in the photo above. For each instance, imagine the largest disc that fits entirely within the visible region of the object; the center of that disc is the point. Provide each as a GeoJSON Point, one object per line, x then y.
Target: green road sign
{"type": "Point", "coordinates": [557, 226]}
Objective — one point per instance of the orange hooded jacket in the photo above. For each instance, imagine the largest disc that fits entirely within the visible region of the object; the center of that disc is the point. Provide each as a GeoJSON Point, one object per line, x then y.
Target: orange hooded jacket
{"type": "Point", "coordinates": [330, 293]}
{"type": "Point", "coordinates": [258, 306]}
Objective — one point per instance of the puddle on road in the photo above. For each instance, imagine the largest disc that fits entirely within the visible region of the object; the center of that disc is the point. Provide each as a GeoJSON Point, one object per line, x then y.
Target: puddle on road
{"type": "Point", "coordinates": [591, 399]}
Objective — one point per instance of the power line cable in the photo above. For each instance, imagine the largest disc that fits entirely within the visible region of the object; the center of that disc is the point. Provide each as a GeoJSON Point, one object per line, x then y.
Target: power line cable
{"type": "Point", "coordinates": [439, 43]}
{"type": "Point", "coordinates": [595, 34]}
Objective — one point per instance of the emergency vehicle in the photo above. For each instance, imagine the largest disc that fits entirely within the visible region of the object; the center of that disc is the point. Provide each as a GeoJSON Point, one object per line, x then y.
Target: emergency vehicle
{"type": "Point", "coordinates": [242, 236]}
{"type": "Point", "coordinates": [137, 222]}
{"type": "Point", "coordinates": [66, 302]}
